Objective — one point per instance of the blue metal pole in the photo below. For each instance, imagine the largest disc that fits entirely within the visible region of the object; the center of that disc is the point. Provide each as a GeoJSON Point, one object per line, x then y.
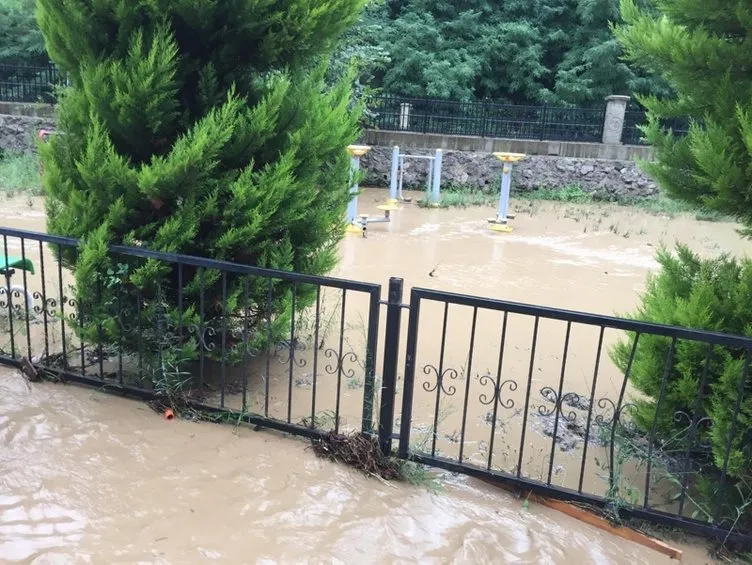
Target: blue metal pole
{"type": "Point", "coordinates": [506, 184]}
{"type": "Point", "coordinates": [393, 178]}
{"type": "Point", "coordinates": [436, 190]}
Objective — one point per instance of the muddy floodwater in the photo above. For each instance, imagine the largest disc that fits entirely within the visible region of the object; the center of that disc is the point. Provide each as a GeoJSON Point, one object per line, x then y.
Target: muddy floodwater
{"type": "Point", "coordinates": [89, 478]}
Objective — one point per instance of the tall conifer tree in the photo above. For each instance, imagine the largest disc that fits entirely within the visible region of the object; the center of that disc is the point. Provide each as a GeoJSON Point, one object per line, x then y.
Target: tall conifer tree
{"type": "Point", "coordinates": [196, 128]}
{"type": "Point", "coordinates": [703, 50]}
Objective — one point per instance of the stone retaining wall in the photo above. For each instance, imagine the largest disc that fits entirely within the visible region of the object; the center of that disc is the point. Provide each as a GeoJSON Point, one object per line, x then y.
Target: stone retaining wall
{"type": "Point", "coordinates": [601, 177]}
{"type": "Point", "coordinates": [19, 133]}
{"type": "Point", "coordinates": [620, 179]}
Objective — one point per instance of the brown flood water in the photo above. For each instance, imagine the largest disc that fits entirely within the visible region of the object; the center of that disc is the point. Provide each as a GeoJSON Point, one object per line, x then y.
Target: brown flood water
{"type": "Point", "coordinates": [91, 478]}
{"type": "Point", "coordinates": [585, 257]}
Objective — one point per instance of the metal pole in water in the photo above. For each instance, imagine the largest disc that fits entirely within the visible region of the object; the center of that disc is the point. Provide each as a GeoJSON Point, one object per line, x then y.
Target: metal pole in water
{"type": "Point", "coordinates": [436, 189]}
{"type": "Point", "coordinates": [356, 152]}
{"type": "Point", "coordinates": [393, 178]}
{"type": "Point", "coordinates": [352, 207]}
{"type": "Point", "coordinates": [401, 174]}
{"type": "Point", "coordinates": [506, 183]}
{"type": "Point", "coordinates": [429, 184]}
{"type": "Point", "coordinates": [501, 221]}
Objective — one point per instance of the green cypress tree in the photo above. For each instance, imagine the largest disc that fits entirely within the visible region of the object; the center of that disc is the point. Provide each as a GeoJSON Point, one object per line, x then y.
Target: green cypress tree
{"type": "Point", "coordinates": [703, 51]}
{"type": "Point", "coordinates": [195, 128]}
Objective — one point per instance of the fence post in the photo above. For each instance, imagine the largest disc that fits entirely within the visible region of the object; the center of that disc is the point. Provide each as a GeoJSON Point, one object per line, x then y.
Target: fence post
{"type": "Point", "coordinates": [391, 359]}
{"type": "Point", "coordinates": [543, 122]}
{"type": "Point", "coordinates": [613, 121]}
{"type": "Point", "coordinates": [405, 115]}
{"type": "Point", "coordinates": [434, 191]}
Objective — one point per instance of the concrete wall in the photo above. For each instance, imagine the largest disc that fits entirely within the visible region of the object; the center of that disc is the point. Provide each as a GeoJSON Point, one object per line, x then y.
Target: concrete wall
{"type": "Point", "coordinates": [410, 140]}
{"type": "Point", "coordinates": [23, 109]}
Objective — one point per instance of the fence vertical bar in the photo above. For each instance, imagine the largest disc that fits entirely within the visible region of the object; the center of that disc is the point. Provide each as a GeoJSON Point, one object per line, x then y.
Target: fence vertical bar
{"type": "Point", "coordinates": [44, 306]}
{"type": "Point", "coordinates": [732, 434]}
{"type": "Point", "coordinates": [409, 384]}
{"type": "Point", "coordinates": [317, 326]}
{"type": "Point", "coordinates": [27, 300]}
{"type": "Point", "coordinates": [371, 349]}
{"type": "Point", "coordinates": [63, 299]}
{"type": "Point", "coordinates": [661, 395]}
{"type": "Point", "coordinates": [543, 122]}
{"type": "Point", "coordinates": [391, 359]}
{"type": "Point", "coordinates": [9, 294]}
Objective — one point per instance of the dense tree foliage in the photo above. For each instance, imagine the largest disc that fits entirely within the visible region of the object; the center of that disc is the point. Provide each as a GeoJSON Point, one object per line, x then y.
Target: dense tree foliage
{"type": "Point", "coordinates": [196, 128]}
{"type": "Point", "coordinates": [357, 52]}
{"type": "Point", "coordinates": [704, 52]}
{"type": "Point", "coordinates": [524, 51]}
{"type": "Point", "coordinates": [20, 38]}
{"type": "Point", "coordinates": [519, 51]}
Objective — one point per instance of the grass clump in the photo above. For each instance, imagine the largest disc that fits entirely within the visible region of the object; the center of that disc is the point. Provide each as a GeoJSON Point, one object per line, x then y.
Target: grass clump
{"type": "Point", "coordinates": [458, 196]}
{"type": "Point", "coordinates": [660, 205]}
{"type": "Point", "coordinates": [19, 173]}
{"type": "Point", "coordinates": [572, 194]}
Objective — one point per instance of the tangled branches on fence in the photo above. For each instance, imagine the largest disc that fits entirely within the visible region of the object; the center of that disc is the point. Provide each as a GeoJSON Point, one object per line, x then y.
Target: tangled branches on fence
{"type": "Point", "coordinates": [358, 451]}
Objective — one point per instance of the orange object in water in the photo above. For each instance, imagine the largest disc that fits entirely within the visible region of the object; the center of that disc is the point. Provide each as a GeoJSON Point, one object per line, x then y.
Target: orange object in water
{"type": "Point", "coordinates": [169, 414]}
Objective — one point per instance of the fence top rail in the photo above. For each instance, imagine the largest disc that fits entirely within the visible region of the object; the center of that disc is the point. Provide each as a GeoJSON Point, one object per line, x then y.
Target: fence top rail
{"type": "Point", "coordinates": [637, 326]}
{"type": "Point", "coordinates": [357, 286]}
{"type": "Point", "coordinates": [27, 67]}
{"type": "Point", "coordinates": [482, 103]}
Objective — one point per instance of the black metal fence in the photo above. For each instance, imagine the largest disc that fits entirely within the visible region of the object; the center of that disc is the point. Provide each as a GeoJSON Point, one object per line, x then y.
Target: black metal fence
{"type": "Point", "coordinates": [553, 428]}
{"type": "Point", "coordinates": [635, 117]}
{"type": "Point", "coordinates": [427, 115]}
{"type": "Point", "coordinates": [19, 83]}
{"type": "Point", "coordinates": [256, 345]}
{"type": "Point", "coordinates": [524, 395]}
{"type": "Point", "coordinates": [22, 83]}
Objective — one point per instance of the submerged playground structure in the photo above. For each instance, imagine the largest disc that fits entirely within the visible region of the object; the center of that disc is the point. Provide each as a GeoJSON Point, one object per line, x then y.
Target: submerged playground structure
{"type": "Point", "coordinates": [358, 223]}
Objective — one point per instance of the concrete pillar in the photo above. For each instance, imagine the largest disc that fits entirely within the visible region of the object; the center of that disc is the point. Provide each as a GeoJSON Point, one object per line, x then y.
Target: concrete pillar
{"type": "Point", "coordinates": [613, 121]}
{"type": "Point", "coordinates": [405, 115]}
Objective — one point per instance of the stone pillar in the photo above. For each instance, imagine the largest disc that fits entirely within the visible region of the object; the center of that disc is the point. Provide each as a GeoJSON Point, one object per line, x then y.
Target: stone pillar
{"type": "Point", "coordinates": [613, 122]}
{"type": "Point", "coordinates": [405, 115]}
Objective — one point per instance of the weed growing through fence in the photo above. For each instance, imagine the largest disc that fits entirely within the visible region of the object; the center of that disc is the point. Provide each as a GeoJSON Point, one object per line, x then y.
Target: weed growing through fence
{"type": "Point", "coordinates": [324, 420]}
{"type": "Point", "coordinates": [305, 324]}
{"type": "Point", "coordinates": [666, 466]}
{"type": "Point", "coordinates": [19, 173]}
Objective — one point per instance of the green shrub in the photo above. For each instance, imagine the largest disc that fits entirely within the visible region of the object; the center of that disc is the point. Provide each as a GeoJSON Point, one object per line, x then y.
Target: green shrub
{"type": "Point", "coordinates": [710, 294]}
